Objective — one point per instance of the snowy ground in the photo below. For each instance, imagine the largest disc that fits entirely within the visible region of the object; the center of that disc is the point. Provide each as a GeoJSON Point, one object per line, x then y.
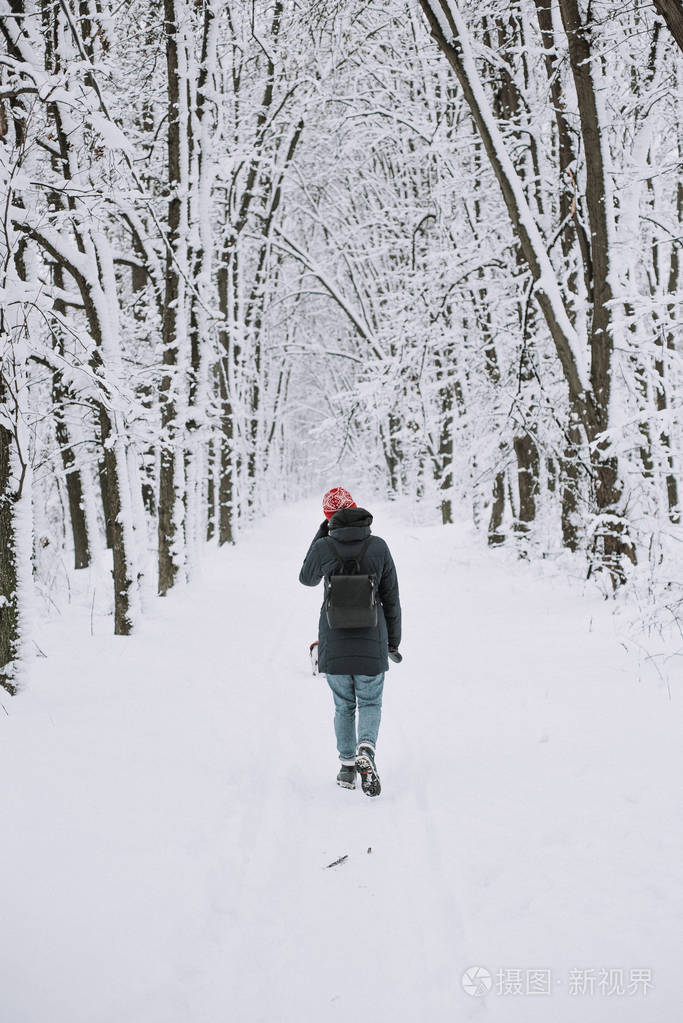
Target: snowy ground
{"type": "Point", "coordinates": [168, 807]}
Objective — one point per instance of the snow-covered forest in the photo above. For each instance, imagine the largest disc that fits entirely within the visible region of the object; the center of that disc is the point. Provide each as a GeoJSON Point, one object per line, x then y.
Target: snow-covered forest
{"type": "Point", "coordinates": [429, 250]}
{"type": "Point", "coordinates": [246, 245]}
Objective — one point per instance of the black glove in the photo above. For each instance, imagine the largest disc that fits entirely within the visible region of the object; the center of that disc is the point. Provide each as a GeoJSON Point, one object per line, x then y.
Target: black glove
{"type": "Point", "coordinates": [394, 655]}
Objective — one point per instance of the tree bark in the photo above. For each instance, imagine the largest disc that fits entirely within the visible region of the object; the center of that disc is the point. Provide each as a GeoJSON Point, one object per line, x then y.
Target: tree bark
{"type": "Point", "coordinates": [211, 491]}
{"type": "Point", "coordinates": [74, 488]}
{"type": "Point", "coordinates": [9, 614]}
{"type": "Point", "coordinates": [495, 536]}
{"type": "Point", "coordinates": [527, 480]}
{"type": "Point", "coordinates": [666, 343]}
{"type": "Point", "coordinates": [226, 468]}
{"type": "Point", "coordinates": [168, 524]}
{"type": "Point", "coordinates": [571, 489]}
{"type": "Point", "coordinates": [226, 489]}
{"type": "Point", "coordinates": [123, 584]}
{"type": "Point", "coordinates": [445, 457]}
{"type": "Point", "coordinates": [572, 234]}
{"type": "Point", "coordinates": [507, 106]}
{"type": "Point", "coordinates": [616, 545]}
{"type": "Point", "coordinates": [672, 12]}
{"type": "Point", "coordinates": [566, 157]}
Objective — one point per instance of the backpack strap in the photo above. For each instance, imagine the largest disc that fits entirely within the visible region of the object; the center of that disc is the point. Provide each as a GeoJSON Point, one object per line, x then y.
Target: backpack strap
{"type": "Point", "coordinates": [336, 550]}
{"type": "Point", "coordinates": [358, 559]}
{"type": "Point", "coordinates": [361, 552]}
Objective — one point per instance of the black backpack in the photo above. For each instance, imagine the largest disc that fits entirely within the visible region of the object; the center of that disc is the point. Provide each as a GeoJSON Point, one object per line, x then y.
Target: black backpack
{"type": "Point", "coordinates": [351, 597]}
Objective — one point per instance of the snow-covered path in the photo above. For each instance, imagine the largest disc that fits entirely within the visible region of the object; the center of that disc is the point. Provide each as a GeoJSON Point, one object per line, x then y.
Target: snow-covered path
{"type": "Point", "coordinates": [168, 807]}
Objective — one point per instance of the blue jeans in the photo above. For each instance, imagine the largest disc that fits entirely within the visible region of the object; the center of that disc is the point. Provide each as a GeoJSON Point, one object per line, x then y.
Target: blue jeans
{"type": "Point", "coordinates": [349, 690]}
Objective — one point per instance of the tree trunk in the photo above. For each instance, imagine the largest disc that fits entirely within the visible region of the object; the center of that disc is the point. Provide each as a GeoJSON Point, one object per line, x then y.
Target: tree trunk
{"type": "Point", "coordinates": [445, 459]}
{"type": "Point", "coordinates": [571, 489]}
{"type": "Point", "coordinates": [391, 454]}
{"type": "Point", "coordinates": [527, 480]}
{"type": "Point", "coordinates": [565, 148]}
{"type": "Point", "coordinates": [211, 491]}
{"type": "Point", "coordinates": [229, 353]}
{"type": "Point", "coordinates": [9, 614]}
{"type": "Point", "coordinates": [226, 490]}
{"type": "Point", "coordinates": [615, 542]}
{"type": "Point", "coordinates": [666, 343]}
{"type": "Point", "coordinates": [106, 512]}
{"type": "Point", "coordinates": [123, 584]}
{"type": "Point", "coordinates": [495, 536]}
{"type": "Point", "coordinates": [672, 12]}
{"type": "Point", "coordinates": [171, 461]}
{"type": "Point", "coordinates": [74, 488]}
{"type": "Point", "coordinates": [443, 462]}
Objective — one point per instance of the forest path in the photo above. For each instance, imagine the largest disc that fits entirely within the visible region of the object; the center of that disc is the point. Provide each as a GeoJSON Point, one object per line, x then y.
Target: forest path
{"type": "Point", "coordinates": [169, 806]}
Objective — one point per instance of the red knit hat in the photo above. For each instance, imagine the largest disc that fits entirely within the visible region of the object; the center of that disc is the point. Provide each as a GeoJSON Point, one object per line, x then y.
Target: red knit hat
{"type": "Point", "coordinates": [335, 499]}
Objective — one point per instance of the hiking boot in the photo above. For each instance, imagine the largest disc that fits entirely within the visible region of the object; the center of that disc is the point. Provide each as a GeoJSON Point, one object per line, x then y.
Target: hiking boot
{"type": "Point", "coordinates": [366, 767]}
{"type": "Point", "coordinates": [347, 776]}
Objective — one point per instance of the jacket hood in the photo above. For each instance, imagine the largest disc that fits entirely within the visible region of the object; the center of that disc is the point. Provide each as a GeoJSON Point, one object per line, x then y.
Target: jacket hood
{"type": "Point", "coordinates": [350, 517]}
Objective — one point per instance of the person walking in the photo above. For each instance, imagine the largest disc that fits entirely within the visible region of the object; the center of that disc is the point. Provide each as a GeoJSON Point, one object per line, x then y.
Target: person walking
{"type": "Point", "coordinates": [355, 659]}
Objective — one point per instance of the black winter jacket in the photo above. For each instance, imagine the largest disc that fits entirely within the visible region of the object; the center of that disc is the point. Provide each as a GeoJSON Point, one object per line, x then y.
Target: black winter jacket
{"type": "Point", "coordinates": [354, 651]}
